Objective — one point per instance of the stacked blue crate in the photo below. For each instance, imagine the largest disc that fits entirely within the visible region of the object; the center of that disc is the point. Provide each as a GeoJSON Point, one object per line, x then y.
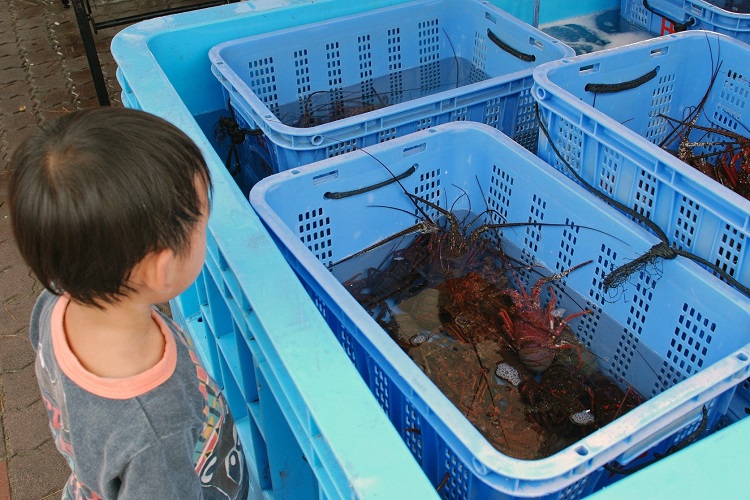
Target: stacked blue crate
{"type": "Point", "coordinates": [309, 426]}
{"type": "Point", "coordinates": [613, 139]}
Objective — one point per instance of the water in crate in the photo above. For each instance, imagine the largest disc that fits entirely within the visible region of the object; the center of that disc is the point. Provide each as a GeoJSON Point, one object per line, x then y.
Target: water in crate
{"type": "Point", "coordinates": [489, 332]}
{"type": "Point", "coordinates": [594, 32]}
{"type": "Point", "coordinates": [247, 157]}
{"type": "Point", "coordinates": [323, 106]}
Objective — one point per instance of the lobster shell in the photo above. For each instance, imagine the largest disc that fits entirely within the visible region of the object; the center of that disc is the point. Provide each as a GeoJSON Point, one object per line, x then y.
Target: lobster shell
{"type": "Point", "coordinates": [535, 357]}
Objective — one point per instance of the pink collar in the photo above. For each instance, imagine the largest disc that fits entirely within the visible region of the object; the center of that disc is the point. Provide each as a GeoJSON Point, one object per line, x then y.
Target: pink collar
{"type": "Point", "coordinates": [112, 388]}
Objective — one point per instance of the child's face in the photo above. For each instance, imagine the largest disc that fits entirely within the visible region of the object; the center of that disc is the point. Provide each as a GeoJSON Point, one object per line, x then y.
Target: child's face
{"type": "Point", "coordinates": [192, 262]}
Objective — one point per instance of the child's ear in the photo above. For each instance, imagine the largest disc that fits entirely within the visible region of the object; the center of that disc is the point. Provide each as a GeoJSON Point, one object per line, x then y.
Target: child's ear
{"type": "Point", "coordinates": [157, 270]}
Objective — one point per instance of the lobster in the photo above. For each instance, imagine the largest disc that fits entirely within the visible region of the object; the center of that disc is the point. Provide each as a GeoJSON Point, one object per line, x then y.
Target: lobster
{"type": "Point", "coordinates": [467, 307]}
{"type": "Point", "coordinates": [568, 402]}
{"type": "Point", "coordinates": [534, 331]}
{"type": "Point", "coordinates": [729, 151]}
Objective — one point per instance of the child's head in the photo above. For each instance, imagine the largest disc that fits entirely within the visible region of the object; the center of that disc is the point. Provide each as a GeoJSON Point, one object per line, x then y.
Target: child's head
{"type": "Point", "coordinates": [96, 191]}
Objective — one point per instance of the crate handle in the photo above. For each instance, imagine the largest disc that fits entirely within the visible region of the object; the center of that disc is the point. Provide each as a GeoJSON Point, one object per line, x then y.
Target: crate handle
{"type": "Point", "coordinates": [608, 88]}
{"type": "Point", "coordinates": [616, 468]}
{"type": "Point", "coordinates": [510, 50]}
{"type": "Point", "coordinates": [677, 26]}
{"type": "Point", "coordinates": [345, 194]}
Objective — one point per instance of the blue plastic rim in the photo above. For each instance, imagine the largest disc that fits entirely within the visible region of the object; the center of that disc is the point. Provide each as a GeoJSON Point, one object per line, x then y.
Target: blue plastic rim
{"type": "Point", "coordinates": [388, 57]}
{"type": "Point", "coordinates": [660, 333]}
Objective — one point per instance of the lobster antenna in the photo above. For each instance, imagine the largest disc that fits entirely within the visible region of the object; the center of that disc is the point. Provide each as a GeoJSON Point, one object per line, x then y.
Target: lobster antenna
{"type": "Point", "coordinates": [398, 181]}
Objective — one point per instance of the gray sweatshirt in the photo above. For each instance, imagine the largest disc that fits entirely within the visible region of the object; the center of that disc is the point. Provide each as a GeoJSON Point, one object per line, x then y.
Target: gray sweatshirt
{"type": "Point", "coordinates": [164, 433]}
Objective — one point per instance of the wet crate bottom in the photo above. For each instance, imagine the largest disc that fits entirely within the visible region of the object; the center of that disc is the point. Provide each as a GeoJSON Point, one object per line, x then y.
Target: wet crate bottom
{"type": "Point", "coordinates": [456, 312]}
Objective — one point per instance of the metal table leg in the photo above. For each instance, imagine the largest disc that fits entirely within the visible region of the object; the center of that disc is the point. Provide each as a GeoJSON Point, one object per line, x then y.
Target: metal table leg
{"type": "Point", "coordinates": [83, 19]}
{"type": "Point", "coordinates": [87, 26]}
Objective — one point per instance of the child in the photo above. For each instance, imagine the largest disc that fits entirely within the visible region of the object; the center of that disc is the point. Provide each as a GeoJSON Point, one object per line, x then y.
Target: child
{"type": "Point", "coordinates": [109, 209]}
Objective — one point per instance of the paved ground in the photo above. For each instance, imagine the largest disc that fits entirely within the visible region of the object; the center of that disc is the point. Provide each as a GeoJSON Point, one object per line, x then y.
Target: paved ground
{"type": "Point", "coordinates": [43, 73]}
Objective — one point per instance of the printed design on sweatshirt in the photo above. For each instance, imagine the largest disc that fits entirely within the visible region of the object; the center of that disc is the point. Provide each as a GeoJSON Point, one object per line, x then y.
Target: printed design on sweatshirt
{"type": "Point", "coordinates": [225, 479]}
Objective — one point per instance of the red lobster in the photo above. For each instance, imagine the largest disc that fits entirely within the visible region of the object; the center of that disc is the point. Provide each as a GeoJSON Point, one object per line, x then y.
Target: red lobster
{"type": "Point", "coordinates": [732, 163]}
{"type": "Point", "coordinates": [534, 332]}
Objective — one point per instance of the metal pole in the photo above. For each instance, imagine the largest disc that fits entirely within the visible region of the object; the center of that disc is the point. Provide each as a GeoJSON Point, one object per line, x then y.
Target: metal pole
{"type": "Point", "coordinates": [91, 55]}
{"type": "Point", "coordinates": [535, 20]}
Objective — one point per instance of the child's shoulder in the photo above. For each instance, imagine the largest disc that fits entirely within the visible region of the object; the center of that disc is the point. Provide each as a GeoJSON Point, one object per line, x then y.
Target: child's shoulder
{"type": "Point", "coordinates": [41, 316]}
{"type": "Point", "coordinates": [45, 302]}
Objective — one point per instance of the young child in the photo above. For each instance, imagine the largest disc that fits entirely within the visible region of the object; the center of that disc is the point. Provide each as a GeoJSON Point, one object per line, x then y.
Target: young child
{"type": "Point", "coordinates": [109, 209]}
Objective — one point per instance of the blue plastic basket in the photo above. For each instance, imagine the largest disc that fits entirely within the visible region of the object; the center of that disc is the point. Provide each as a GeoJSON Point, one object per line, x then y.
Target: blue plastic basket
{"type": "Point", "coordinates": [612, 139]}
{"type": "Point", "coordinates": [401, 63]}
{"type": "Point", "coordinates": [663, 17]}
{"type": "Point", "coordinates": [679, 337]}
{"type": "Point", "coordinates": [299, 404]}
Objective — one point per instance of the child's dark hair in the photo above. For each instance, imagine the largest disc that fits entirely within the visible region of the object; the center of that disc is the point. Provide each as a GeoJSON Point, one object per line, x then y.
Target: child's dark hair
{"type": "Point", "coordinates": [94, 191]}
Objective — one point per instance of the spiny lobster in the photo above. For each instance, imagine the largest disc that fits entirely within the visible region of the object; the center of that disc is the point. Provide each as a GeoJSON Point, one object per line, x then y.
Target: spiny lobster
{"type": "Point", "coordinates": [535, 331]}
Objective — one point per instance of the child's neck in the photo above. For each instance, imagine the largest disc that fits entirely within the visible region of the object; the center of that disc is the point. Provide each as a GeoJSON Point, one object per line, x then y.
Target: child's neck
{"type": "Point", "coordinates": [121, 340]}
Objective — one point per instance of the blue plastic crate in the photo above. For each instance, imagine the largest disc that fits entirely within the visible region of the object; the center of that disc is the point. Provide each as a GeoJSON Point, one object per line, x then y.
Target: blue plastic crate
{"type": "Point", "coordinates": [612, 139]}
{"type": "Point", "coordinates": [309, 426]}
{"type": "Point", "coordinates": [679, 336]}
{"type": "Point", "coordinates": [401, 63]}
{"type": "Point", "coordinates": [663, 17]}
